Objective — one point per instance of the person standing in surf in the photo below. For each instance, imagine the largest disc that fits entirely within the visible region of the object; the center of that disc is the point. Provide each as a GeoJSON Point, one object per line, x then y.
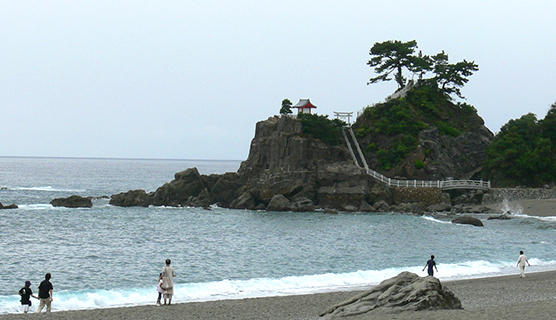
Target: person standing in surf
{"type": "Point", "coordinates": [521, 261]}
{"type": "Point", "coordinates": [45, 294]}
{"type": "Point", "coordinates": [430, 264]}
{"type": "Point", "coordinates": [26, 293]}
{"type": "Point", "coordinates": [168, 275]}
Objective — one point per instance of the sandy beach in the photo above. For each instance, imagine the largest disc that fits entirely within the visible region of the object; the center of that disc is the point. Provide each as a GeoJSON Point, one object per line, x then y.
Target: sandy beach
{"type": "Point", "coordinates": [507, 297]}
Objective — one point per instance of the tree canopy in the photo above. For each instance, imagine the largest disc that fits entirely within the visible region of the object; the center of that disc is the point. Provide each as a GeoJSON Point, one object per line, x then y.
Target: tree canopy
{"type": "Point", "coordinates": [524, 152]}
{"type": "Point", "coordinates": [393, 57]}
{"type": "Point", "coordinates": [286, 107]}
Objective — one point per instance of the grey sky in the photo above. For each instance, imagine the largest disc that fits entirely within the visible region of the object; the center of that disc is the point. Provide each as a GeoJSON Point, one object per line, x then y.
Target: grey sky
{"type": "Point", "coordinates": [189, 79]}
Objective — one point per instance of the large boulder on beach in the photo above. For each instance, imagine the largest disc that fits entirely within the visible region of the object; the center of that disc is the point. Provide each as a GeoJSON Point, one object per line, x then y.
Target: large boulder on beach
{"type": "Point", "coordinates": [74, 201]}
{"type": "Point", "coordinates": [404, 292]}
{"type": "Point", "coordinates": [468, 220]}
{"type": "Point", "coordinates": [11, 206]}
{"type": "Point", "coordinates": [131, 198]}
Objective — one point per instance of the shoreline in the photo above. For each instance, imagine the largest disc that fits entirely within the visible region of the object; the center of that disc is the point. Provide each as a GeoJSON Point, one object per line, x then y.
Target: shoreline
{"type": "Point", "coordinates": [500, 297]}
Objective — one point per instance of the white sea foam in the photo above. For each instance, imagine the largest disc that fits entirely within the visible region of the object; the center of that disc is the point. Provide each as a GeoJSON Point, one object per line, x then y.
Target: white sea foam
{"type": "Point", "coordinates": [37, 206]}
{"type": "Point", "coordinates": [261, 287]}
{"type": "Point", "coordinates": [429, 218]}
{"type": "Point", "coordinates": [44, 188]}
{"type": "Point", "coordinates": [548, 219]}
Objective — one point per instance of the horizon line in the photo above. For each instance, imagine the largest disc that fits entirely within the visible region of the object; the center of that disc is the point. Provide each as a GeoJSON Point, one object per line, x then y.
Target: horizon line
{"type": "Point", "coordinates": [110, 158]}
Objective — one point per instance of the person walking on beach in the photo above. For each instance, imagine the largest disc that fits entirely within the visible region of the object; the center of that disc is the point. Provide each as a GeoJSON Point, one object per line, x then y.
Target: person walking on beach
{"type": "Point", "coordinates": [168, 275]}
{"type": "Point", "coordinates": [45, 294]}
{"type": "Point", "coordinates": [26, 293]}
{"type": "Point", "coordinates": [521, 261]}
{"type": "Point", "coordinates": [159, 289]}
{"type": "Point", "coordinates": [430, 264]}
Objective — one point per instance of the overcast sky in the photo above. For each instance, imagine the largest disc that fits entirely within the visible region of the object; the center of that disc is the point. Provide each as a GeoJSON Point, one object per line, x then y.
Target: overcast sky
{"type": "Point", "coordinates": [189, 79]}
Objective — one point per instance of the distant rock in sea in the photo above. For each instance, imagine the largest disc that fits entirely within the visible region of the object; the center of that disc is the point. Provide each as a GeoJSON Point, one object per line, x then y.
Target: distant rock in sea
{"type": "Point", "coordinates": [72, 202]}
{"type": "Point", "coordinates": [468, 220]}
{"type": "Point", "coordinates": [11, 206]}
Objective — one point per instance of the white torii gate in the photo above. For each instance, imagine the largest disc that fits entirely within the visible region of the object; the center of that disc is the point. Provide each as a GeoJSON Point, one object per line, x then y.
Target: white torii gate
{"type": "Point", "coordinates": [344, 115]}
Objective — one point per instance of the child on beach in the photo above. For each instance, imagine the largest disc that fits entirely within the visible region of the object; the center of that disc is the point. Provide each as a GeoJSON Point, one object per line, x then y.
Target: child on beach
{"type": "Point", "coordinates": [26, 293]}
{"type": "Point", "coordinates": [430, 264]}
{"type": "Point", "coordinates": [159, 289]}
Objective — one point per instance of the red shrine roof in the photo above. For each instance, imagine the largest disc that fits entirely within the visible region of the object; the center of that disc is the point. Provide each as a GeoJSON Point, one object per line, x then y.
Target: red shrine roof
{"type": "Point", "coordinates": [304, 103]}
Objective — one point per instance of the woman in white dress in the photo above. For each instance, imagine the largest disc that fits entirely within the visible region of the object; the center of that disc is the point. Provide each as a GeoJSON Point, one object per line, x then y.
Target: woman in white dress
{"type": "Point", "coordinates": [521, 261]}
{"type": "Point", "coordinates": [168, 275]}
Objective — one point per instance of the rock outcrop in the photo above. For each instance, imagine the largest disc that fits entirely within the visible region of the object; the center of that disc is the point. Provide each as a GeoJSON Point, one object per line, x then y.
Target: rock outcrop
{"type": "Point", "coordinates": [287, 170]}
{"type": "Point", "coordinates": [131, 198]}
{"type": "Point", "coordinates": [404, 292]}
{"type": "Point", "coordinates": [11, 206]}
{"type": "Point", "coordinates": [468, 220]}
{"type": "Point", "coordinates": [74, 201]}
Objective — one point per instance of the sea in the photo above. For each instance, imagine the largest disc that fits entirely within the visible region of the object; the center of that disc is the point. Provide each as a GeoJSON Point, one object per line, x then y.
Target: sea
{"type": "Point", "coordinates": [107, 256]}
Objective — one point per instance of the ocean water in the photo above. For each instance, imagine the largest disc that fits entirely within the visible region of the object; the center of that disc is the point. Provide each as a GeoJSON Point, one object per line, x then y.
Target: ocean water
{"type": "Point", "coordinates": [110, 256]}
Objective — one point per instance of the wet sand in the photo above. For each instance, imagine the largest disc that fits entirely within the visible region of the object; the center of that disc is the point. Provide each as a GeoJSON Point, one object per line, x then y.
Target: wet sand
{"type": "Point", "coordinates": [508, 297]}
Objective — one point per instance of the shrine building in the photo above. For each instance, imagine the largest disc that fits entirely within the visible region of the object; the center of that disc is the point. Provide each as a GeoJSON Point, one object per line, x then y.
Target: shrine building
{"type": "Point", "coordinates": [304, 106]}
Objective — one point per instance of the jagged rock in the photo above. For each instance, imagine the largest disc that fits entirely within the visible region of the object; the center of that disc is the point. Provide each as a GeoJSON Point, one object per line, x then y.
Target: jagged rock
{"type": "Point", "coordinates": [260, 206]}
{"type": "Point", "coordinates": [364, 206]}
{"type": "Point", "coordinates": [439, 207]}
{"type": "Point", "coordinates": [132, 198]}
{"type": "Point", "coordinates": [468, 220]}
{"type": "Point", "coordinates": [74, 201]}
{"type": "Point", "coordinates": [178, 192]}
{"type": "Point", "coordinates": [349, 208]}
{"type": "Point", "coordinates": [404, 292]}
{"type": "Point", "coordinates": [11, 206]}
{"type": "Point", "coordinates": [225, 189]}
{"type": "Point", "coordinates": [382, 206]}
{"type": "Point", "coordinates": [279, 203]}
{"type": "Point", "coordinates": [500, 217]}
{"type": "Point", "coordinates": [244, 201]}
{"type": "Point", "coordinates": [302, 204]}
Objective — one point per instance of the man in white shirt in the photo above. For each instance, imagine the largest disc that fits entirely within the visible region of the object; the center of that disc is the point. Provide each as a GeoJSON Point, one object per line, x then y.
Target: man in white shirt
{"type": "Point", "coordinates": [521, 261]}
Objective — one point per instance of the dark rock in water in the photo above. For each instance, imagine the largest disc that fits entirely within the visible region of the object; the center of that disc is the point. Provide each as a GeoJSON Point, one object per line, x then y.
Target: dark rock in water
{"type": "Point", "coordinates": [187, 189]}
{"type": "Point", "coordinates": [382, 206]}
{"type": "Point", "coordinates": [244, 201]}
{"type": "Point", "coordinates": [500, 217]}
{"type": "Point", "coordinates": [330, 211]}
{"type": "Point", "coordinates": [468, 220]}
{"type": "Point", "coordinates": [11, 206]}
{"type": "Point", "coordinates": [72, 202]}
{"type": "Point", "coordinates": [404, 292]}
{"type": "Point", "coordinates": [225, 189]}
{"type": "Point", "coordinates": [302, 204]}
{"type": "Point", "coordinates": [132, 198]}
{"type": "Point", "coordinates": [279, 203]}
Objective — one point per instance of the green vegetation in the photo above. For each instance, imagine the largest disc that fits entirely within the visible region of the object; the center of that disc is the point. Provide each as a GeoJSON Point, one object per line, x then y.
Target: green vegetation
{"type": "Point", "coordinates": [524, 152]}
{"type": "Point", "coordinates": [419, 164]}
{"type": "Point", "coordinates": [286, 107]}
{"type": "Point", "coordinates": [393, 127]}
{"type": "Point", "coordinates": [394, 56]}
{"type": "Point", "coordinates": [320, 127]}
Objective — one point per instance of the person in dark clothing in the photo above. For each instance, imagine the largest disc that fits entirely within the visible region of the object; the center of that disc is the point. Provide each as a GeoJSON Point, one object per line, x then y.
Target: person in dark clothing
{"type": "Point", "coordinates": [45, 293]}
{"type": "Point", "coordinates": [26, 293]}
{"type": "Point", "coordinates": [430, 264]}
